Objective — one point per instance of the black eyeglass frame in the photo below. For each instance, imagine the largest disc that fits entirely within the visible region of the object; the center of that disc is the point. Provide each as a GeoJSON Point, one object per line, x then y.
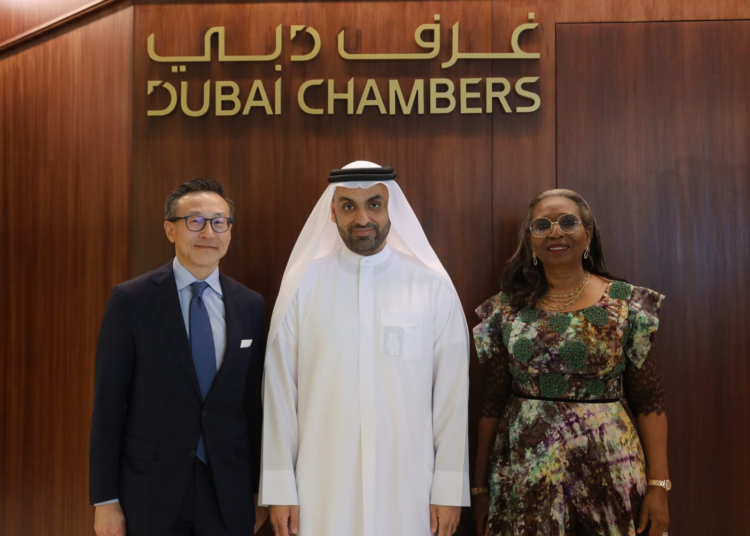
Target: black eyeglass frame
{"type": "Point", "coordinates": [211, 220]}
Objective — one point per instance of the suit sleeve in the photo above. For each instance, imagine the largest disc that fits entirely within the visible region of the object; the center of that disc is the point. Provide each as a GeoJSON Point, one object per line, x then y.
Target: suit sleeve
{"type": "Point", "coordinates": [253, 399]}
{"type": "Point", "coordinates": [114, 368]}
{"type": "Point", "coordinates": [450, 401]}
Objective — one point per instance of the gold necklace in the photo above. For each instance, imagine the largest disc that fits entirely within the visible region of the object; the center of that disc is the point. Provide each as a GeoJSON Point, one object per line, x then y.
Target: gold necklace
{"type": "Point", "coordinates": [564, 300]}
{"type": "Point", "coordinates": [561, 295]}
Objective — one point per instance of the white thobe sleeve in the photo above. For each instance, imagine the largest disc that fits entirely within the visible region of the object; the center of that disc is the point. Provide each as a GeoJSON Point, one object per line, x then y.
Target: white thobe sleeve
{"type": "Point", "coordinates": [450, 401]}
{"type": "Point", "coordinates": [278, 484]}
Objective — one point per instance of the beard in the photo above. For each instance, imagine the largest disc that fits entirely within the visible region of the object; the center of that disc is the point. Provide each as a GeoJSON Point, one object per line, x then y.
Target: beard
{"type": "Point", "coordinates": [364, 245]}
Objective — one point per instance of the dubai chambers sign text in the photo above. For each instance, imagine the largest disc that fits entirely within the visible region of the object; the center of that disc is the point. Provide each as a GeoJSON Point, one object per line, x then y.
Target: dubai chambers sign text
{"type": "Point", "coordinates": [431, 95]}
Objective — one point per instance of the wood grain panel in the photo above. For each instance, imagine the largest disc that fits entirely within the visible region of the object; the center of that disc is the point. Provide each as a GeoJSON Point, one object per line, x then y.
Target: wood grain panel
{"type": "Point", "coordinates": [523, 162]}
{"type": "Point", "coordinates": [19, 16]}
{"type": "Point", "coordinates": [653, 128]}
{"type": "Point", "coordinates": [524, 148]}
{"type": "Point", "coordinates": [65, 167]}
{"type": "Point", "coordinates": [49, 27]}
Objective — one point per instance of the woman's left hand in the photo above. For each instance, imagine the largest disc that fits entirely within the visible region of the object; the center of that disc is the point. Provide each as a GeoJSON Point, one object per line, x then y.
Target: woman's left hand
{"type": "Point", "coordinates": [656, 510]}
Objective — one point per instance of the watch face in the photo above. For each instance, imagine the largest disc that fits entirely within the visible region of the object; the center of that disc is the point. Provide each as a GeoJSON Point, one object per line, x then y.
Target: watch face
{"type": "Point", "coordinates": [669, 485]}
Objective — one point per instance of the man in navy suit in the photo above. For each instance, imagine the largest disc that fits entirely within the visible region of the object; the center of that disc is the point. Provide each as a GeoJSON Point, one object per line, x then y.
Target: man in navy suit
{"type": "Point", "coordinates": [176, 428]}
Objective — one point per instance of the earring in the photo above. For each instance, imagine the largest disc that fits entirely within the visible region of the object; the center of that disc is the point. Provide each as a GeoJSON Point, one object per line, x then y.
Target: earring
{"type": "Point", "coordinates": [586, 253]}
{"type": "Point", "coordinates": [533, 257]}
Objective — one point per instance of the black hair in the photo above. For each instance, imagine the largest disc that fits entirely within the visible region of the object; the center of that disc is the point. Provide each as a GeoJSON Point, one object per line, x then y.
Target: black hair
{"type": "Point", "coordinates": [192, 187]}
{"type": "Point", "coordinates": [523, 282]}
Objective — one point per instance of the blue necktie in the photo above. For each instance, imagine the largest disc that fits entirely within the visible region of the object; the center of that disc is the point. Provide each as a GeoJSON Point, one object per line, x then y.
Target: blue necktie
{"type": "Point", "coordinates": [204, 352]}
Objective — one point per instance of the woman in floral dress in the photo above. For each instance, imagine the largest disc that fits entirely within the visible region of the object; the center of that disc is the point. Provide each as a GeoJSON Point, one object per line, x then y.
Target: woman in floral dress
{"type": "Point", "coordinates": [573, 434]}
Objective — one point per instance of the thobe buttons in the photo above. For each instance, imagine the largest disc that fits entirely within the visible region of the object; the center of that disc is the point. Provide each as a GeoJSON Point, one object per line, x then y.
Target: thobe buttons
{"type": "Point", "coordinates": [204, 413]}
{"type": "Point", "coordinates": [191, 453]}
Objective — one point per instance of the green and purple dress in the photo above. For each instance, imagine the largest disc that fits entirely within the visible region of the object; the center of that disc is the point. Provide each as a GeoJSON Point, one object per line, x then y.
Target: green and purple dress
{"type": "Point", "coordinates": [567, 458]}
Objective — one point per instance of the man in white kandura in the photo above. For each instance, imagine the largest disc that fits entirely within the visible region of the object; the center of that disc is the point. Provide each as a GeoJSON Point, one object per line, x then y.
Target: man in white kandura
{"type": "Point", "coordinates": [366, 375]}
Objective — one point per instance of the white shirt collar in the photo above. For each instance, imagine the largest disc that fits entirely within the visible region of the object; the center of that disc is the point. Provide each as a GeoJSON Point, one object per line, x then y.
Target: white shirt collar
{"type": "Point", "coordinates": [372, 260]}
{"type": "Point", "coordinates": [184, 278]}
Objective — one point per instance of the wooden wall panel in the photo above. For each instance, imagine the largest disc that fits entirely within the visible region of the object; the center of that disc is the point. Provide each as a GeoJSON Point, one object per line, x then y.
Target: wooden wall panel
{"type": "Point", "coordinates": [524, 147]}
{"type": "Point", "coordinates": [523, 162]}
{"type": "Point", "coordinates": [19, 16]}
{"type": "Point", "coordinates": [653, 128]}
{"type": "Point", "coordinates": [65, 136]}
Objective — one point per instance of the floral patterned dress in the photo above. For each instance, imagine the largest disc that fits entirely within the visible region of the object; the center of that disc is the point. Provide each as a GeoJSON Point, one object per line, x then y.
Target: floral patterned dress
{"type": "Point", "coordinates": [567, 458]}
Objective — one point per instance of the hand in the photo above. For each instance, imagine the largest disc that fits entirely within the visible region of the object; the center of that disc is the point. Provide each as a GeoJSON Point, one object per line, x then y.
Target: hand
{"type": "Point", "coordinates": [444, 519]}
{"type": "Point", "coordinates": [284, 519]}
{"type": "Point", "coordinates": [654, 509]}
{"type": "Point", "coordinates": [261, 514]}
{"type": "Point", "coordinates": [109, 520]}
{"type": "Point", "coordinates": [481, 506]}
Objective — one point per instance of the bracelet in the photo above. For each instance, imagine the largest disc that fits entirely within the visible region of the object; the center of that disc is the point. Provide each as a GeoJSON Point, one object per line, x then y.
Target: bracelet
{"type": "Point", "coordinates": [479, 491]}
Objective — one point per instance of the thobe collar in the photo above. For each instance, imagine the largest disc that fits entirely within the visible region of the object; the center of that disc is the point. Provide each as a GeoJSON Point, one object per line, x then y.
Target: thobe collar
{"type": "Point", "coordinates": [372, 260]}
{"type": "Point", "coordinates": [184, 278]}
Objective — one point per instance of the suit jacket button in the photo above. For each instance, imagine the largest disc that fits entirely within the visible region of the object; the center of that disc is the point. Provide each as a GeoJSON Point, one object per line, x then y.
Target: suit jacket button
{"type": "Point", "coordinates": [205, 413]}
{"type": "Point", "coordinates": [191, 453]}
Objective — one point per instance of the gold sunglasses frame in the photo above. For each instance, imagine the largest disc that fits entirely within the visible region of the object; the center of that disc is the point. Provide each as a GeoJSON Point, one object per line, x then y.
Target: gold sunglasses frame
{"type": "Point", "coordinates": [553, 223]}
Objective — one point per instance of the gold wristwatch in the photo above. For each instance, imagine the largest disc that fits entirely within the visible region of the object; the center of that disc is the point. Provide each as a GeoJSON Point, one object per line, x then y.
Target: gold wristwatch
{"type": "Point", "coordinates": [666, 484]}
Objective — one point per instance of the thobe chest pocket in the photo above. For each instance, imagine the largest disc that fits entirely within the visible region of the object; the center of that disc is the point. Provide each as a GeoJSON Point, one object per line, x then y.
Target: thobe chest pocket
{"type": "Point", "coordinates": [401, 333]}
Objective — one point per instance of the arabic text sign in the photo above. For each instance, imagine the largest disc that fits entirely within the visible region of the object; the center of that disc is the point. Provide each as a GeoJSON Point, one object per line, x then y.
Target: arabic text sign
{"type": "Point", "coordinates": [475, 95]}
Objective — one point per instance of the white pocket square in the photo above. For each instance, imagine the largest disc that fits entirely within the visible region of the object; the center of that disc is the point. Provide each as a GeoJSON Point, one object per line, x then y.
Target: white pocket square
{"type": "Point", "coordinates": [246, 343]}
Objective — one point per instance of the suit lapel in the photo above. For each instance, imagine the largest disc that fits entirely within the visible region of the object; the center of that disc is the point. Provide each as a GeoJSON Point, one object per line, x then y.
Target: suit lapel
{"type": "Point", "coordinates": [234, 321]}
{"type": "Point", "coordinates": [167, 303]}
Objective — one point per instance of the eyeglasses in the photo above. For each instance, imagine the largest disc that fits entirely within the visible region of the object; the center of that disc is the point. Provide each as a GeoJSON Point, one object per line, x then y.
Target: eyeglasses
{"type": "Point", "coordinates": [567, 223]}
{"type": "Point", "coordinates": [198, 223]}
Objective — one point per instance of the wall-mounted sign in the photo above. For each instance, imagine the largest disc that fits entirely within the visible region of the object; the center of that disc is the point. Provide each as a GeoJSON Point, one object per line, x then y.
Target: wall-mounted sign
{"type": "Point", "coordinates": [432, 95]}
